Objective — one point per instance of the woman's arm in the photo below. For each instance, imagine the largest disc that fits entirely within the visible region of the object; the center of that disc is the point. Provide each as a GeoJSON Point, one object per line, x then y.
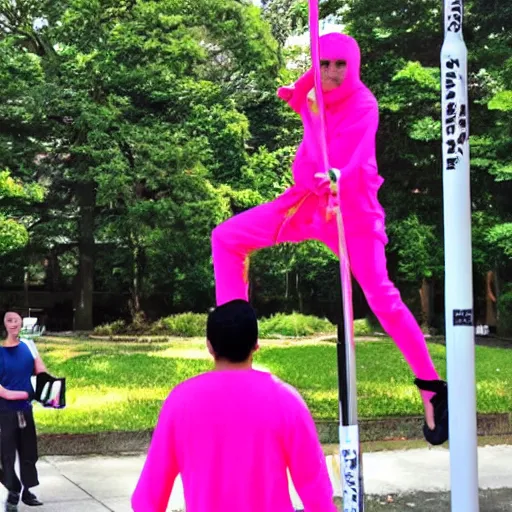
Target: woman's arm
{"type": "Point", "coordinates": [8, 394]}
{"type": "Point", "coordinates": [39, 366]}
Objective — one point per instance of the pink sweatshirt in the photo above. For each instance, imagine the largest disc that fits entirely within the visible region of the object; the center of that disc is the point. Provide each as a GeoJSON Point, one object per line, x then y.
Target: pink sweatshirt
{"type": "Point", "coordinates": [232, 435]}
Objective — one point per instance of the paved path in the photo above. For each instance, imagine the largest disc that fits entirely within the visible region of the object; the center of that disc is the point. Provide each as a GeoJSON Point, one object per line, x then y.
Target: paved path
{"type": "Point", "coordinates": [94, 484]}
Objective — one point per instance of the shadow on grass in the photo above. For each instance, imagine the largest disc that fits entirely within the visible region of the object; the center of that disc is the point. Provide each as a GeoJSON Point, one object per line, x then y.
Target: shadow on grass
{"type": "Point", "coordinates": [110, 393]}
{"type": "Point", "coordinates": [126, 370]}
{"type": "Point", "coordinates": [385, 381]}
{"type": "Point", "coordinates": [49, 345]}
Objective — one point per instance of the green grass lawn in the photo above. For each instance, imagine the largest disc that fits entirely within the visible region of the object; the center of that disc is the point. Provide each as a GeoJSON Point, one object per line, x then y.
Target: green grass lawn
{"type": "Point", "coordinates": [121, 385]}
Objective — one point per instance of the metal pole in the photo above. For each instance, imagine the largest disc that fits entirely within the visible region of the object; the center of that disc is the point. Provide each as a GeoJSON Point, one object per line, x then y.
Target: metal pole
{"type": "Point", "coordinates": [460, 336]}
{"type": "Point", "coordinates": [351, 457]}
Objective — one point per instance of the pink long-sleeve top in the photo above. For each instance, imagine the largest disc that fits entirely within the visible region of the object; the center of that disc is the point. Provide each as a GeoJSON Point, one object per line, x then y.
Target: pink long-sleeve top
{"type": "Point", "coordinates": [232, 435]}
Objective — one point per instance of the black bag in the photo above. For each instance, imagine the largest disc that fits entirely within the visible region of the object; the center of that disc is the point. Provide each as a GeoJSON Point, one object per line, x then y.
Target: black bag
{"type": "Point", "coordinates": [50, 391]}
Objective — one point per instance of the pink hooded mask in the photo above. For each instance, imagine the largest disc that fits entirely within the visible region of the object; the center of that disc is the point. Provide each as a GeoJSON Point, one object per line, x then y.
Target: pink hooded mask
{"type": "Point", "coordinates": [342, 47]}
{"type": "Point", "coordinates": [332, 47]}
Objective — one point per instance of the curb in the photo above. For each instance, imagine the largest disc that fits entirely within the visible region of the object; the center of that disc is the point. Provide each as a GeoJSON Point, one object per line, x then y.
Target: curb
{"type": "Point", "coordinates": [108, 443]}
{"type": "Point", "coordinates": [101, 443]}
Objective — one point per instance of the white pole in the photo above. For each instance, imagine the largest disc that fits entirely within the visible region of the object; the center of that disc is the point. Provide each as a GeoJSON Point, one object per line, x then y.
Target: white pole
{"type": "Point", "coordinates": [460, 336]}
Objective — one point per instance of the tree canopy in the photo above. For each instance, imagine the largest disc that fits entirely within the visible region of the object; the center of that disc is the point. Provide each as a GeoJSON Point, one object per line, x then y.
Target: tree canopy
{"type": "Point", "coordinates": [130, 128]}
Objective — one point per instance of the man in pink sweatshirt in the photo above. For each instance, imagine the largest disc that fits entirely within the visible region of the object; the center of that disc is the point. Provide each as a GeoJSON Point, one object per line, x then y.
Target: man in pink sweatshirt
{"type": "Point", "coordinates": [232, 433]}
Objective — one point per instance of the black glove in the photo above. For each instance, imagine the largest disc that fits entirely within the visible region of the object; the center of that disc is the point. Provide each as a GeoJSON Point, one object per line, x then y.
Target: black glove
{"type": "Point", "coordinates": [440, 402]}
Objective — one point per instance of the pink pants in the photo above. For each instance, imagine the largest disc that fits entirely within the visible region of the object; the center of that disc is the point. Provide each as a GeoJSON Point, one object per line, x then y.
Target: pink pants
{"type": "Point", "coordinates": [236, 238]}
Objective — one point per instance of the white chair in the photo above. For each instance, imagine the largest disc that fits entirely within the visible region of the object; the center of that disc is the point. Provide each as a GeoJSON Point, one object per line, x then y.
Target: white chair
{"type": "Point", "coordinates": [30, 329]}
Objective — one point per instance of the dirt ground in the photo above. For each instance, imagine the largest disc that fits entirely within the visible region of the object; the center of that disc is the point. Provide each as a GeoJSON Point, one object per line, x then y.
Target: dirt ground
{"type": "Point", "coordinates": [496, 500]}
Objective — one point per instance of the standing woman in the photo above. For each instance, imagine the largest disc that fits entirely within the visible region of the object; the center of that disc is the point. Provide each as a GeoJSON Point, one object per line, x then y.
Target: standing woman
{"type": "Point", "coordinates": [18, 362]}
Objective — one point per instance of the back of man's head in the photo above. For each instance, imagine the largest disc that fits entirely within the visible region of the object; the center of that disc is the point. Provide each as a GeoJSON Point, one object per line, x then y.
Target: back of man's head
{"type": "Point", "coordinates": [232, 330]}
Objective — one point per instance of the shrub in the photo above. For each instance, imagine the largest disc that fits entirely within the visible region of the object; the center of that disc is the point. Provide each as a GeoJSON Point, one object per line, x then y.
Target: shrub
{"type": "Point", "coordinates": [363, 327]}
{"type": "Point", "coordinates": [183, 324]}
{"type": "Point", "coordinates": [294, 325]}
{"type": "Point", "coordinates": [117, 327]}
{"type": "Point", "coordinates": [194, 325]}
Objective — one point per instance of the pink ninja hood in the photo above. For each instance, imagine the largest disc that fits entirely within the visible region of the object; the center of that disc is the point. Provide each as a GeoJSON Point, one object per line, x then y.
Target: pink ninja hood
{"type": "Point", "coordinates": [336, 46]}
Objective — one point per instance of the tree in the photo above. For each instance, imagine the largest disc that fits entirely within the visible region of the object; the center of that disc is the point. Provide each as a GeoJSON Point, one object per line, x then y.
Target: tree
{"type": "Point", "coordinates": [149, 122]}
{"type": "Point", "coordinates": [136, 126]}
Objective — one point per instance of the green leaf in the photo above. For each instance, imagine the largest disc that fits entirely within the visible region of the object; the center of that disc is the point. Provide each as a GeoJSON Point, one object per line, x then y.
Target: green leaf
{"type": "Point", "coordinates": [419, 75]}
{"type": "Point", "coordinates": [13, 236]}
{"type": "Point", "coordinates": [501, 101]}
{"type": "Point", "coordinates": [426, 129]}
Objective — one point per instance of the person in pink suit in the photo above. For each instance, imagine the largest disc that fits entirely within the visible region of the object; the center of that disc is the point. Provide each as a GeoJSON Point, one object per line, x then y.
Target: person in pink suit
{"type": "Point", "coordinates": [305, 211]}
{"type": "Point", "coordinates": [232, 434]}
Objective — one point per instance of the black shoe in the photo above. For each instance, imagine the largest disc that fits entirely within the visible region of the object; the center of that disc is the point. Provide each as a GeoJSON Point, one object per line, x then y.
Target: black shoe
{"type": "Point", "coordinates": [440, 402]}
{"type": "Point", "coordinates": [13, 498]}
{"type": "Point", "coordinates": [30, 499]}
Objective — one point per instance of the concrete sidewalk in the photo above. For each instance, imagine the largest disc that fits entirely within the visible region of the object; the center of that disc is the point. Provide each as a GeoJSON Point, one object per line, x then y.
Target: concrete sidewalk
{"type": "Point", "coordinates": [94, 484]}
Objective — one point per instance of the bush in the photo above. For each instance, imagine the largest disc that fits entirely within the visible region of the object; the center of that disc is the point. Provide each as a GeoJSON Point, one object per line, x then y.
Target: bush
{"type": "Point", "coordinates": [363, 327]}
{"type": "Point", "coordinates": [117, 327]}
{"type": "Point", "coordinates": [190, 325]}
{"type": "Point", "coordinates": [184, 324]}
{"type": "Point", "coordinates": [139, 324]}
{"type": "Point", "coordinates": [294, 325]}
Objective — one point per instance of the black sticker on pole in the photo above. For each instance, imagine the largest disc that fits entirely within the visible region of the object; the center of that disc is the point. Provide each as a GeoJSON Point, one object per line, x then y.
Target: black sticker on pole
{"type": "Point", "coordinates": [456, 114]}
{"type": "Point", "coordinates": [463, 317]}
{"type": "Point", "coordinates": [455, 11]}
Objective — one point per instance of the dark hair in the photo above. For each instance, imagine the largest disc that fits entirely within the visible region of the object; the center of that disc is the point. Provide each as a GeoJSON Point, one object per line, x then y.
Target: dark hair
{"type": "Point", "coordinates": [3, 331]}
{"type": "Point", "coordinates": [232, 330]}
{"type": "Point", "coordinates": [3, 314]}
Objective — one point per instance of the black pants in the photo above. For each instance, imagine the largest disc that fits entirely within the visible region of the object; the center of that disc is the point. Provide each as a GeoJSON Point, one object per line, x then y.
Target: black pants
{"type": "Point", "coordinates": [18, 434]}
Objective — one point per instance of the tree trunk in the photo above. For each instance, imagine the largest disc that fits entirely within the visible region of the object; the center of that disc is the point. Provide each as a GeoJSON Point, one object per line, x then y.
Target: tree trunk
{"type": "Point", "coordinates": [299, 295]}
{"type": "Point", "coordinates": [427, 300]}
{"type": "Point", "coordinates": [139, 258]}
{"type": "Point", "coordinates": [84, 282]}
{"type": "Point", "coordinates": [491, 297]}
{"type": "Point", "coordinates": [25, 286]}
{"type": "Point", "coordinates": [53, 280]}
